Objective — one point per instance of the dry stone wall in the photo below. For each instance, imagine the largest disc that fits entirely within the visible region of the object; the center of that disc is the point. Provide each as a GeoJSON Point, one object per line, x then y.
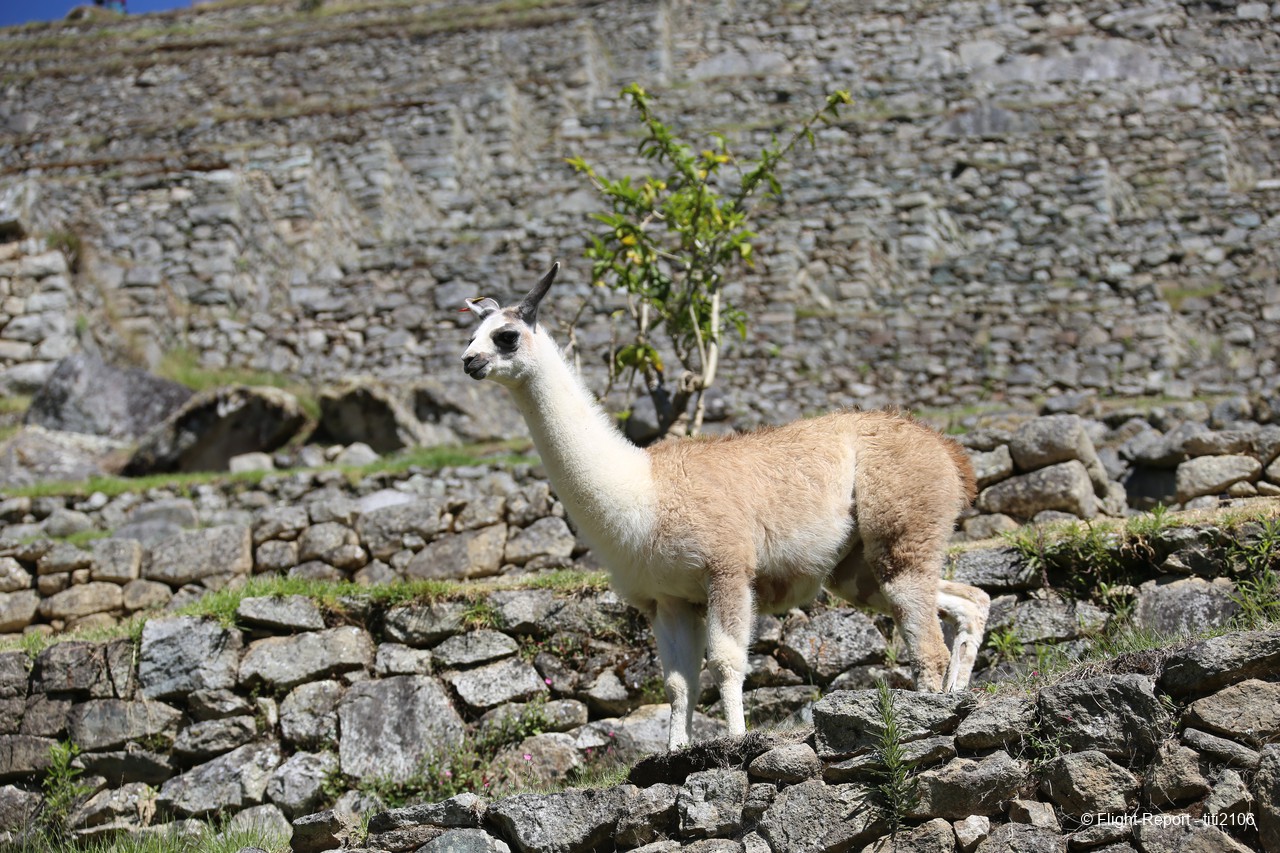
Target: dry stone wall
{"type": "Point", "coordinates": [1023, 200]}
{"type": "Point", "coordinates": [163, 548]}
{"type": "Point", "coordinates": [274, 716]}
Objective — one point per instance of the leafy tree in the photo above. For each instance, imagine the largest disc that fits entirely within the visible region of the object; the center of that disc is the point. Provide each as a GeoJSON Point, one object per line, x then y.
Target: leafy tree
{"type": "Point", "coordinates": [670, 240]}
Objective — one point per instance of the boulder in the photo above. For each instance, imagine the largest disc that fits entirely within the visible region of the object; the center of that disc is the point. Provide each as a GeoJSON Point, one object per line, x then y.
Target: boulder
{"type": "Point", "coordinates": [1046, 441]}
{"type": "Point", "coordinates": [391, 726]}
{"type": "Point", "coordinates": [1219, 661]}
{"type": "Point", "coordinates": [817, 816]}
{"type": "Point", "coordinates": [106, 724]}
{"type": "Point", "coordinates": [18, 610]}
{"type": "Point", "coordinates": [1116, 714]}
{"type": "Point", "coordinates": [709, 804]}
{"type": "Point", "coordinates": [849, 721]}
{"type": "Point", "coordinates": [203, 740]}
{"type": "Point", "coordinates": [38, 455]}
{"type": "Point", "coordinates": [1212, 475]}
{"type": "Point", "coordinates": [298, 785]}
{"type": "Point", "coordinates": [23, 755]}
{"type": "Point", "coordinates": [280, 613]}
{"type": "Point", "coordinates": [281, 663]}
{"type": "Point", "coordinates": [85, 394]}
{"type": "Point", "coordinates": [573, 821]}
{"type": "Point", "coordinates": [85, 670]}
{"type": "Point", "coordinates": [969, 786]}
{"type": "Point", "coordinates": [1174, 607]}
{"type": "Point", "coordinates": [1089, 783]}
{"type": "Point", "coordinates": [472, 411]}
{"type": "Point", "coordinates": [830, 642]}
{"type": "Point", "coordinates": [367, 411]}
{"type": "Point", "coordinates": [210, 556]}
{"type": "Point", "coordinates": [511, 680]}
{"type": "Point", "coordinates": [212, 427]}
{"type": "Point", "coordinates": [1064, 487]}
{"type": "Point", "coordinates": [1248, 711]}
{"type": "Point", "coordinates": [309, 714]}
{"type": "Point", "coordinates": [386, 530]}
{"type": "Point", "coordinates": [466, 555]}
{"type": "Point", "coordinates": [184, 654]}
{"type": "Point", "coordinates": [231, 782]}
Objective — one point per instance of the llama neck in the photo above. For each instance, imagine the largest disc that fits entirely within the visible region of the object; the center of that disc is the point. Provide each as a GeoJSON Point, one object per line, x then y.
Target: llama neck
{"type": "Point", "coordinates": [604, 481]}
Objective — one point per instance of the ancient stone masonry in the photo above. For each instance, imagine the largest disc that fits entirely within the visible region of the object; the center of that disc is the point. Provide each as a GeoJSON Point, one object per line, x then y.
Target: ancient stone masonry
{"type": "Point", "coordinates": [161, 548]}
{"type": "Point", "coordinates": [1023, 200]}
{"type": "Point", "coordinates": [259, 718]}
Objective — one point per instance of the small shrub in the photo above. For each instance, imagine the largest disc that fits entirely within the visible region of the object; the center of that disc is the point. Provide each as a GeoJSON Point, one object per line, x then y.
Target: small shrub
{"type": "Point", "coordinates": [896, 794]}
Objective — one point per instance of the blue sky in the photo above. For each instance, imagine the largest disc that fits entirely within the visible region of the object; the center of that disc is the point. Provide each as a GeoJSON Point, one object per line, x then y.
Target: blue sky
{"type": "Point", "coordinates": [21, 11]}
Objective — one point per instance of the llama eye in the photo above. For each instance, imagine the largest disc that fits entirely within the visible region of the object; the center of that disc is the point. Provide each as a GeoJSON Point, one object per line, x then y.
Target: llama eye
{"type": "Point", "coordinates": [506, 340]}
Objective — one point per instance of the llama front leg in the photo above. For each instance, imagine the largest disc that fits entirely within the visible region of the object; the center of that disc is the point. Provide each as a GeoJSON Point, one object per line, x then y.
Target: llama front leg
{"type": "Point", "coordinates": [681, 634]}
{"type": "Point", "coordinates": [730, 616]}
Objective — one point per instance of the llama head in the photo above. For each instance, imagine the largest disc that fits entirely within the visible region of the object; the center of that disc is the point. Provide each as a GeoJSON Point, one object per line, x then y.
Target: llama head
{"type": "Point", "coordinates": [502, 347]}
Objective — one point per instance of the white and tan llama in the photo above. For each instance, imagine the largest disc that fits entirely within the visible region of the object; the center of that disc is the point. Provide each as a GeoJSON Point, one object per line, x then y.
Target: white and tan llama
{"type": "Point", "coordinates": [701, 533]}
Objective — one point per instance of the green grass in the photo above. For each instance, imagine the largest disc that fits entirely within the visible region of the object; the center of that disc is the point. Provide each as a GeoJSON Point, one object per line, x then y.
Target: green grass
{"type": "Point", "coordinates": [212, 838]}
{"type": "Point", "coordinates": [501, 454]}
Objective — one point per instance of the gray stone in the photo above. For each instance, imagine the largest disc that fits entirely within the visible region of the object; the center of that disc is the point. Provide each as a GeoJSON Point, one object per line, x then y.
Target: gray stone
{"type": "Point", "coordinates": [213, 426]}
{"type": "Point", "coordinates": [218, 705]}
{"type": "Point", "coordinates": [474, 411]}
{"type": "Point", "coordinates": [1220, 749]}
{"type": "Point", "coordinates": [83, 669]}
{"type": "Point", "coordinates": [145, 595]}
{"type": "Point", "coordinates": [710, 803]}
{"type": "Point", "coordinates": [465, 841]}
{"type": "Point", "coordinates": [424, 624]}
{"type": "Point", "coordinates": [182, 654]}
{"type": "Point", "coordinates": [1175, 776]}
{"type": "Point", "coordinates": [651, 815]}
{"type": "Point", "coordinates": [275, 555]}
{"type": "Point", "coordinates": [849, 721]}
{"type": "Point", "coordinates": [522, 611]}
{"type": "Point", "coordinates": [13, 577]}
{"type": "Point", "coordinates": [1219, 661]}
{"type": "Point", "coordinates": [790, 763]}
{"type": "Point", "coordinates": [105, 724]}
{"type": "Point", "coordinates": [297, 785]}
{"type": "Point", "coordinates": [282, 663]}
{"type": "Point", "coordinates": [18, 610]}
{"type": "Point", "coordinates": [1064, 487]}
{"type": "Point", "coordinates": [203, 740]}
{"type": "Point", "coordinates": [1046, 441]}
{"type": "Point", "coordinates": [993, 569]}
{"type": "Point", "coordinates": [971, 831]}
{"type": "Point", "coordinates": [1118, 715]}
{"type": "Point", "coordinates": [392, 725]}
{"type": "Point", "coordinates": [280, 522]}
{"type": "Point", "coordinates": [511, 680]}
{"type": "Point", "coordinates": [18, 808]}
{"type": "Point", "coordinates": [1188, 836]}
{"type": "Point", "coordinates": [247, 462]}
{"type": "Point", "coordinates": [210, 556]}
{"type": "Point", "coordinates": [547, 537]}
{"type": "Point", "coordinates": [474, 647]}
{"type": "Point", "coordinates": [230, 782]}
{"type": "Point", "coordinates": [116, 560]}
{"type": "Point", "coordinates": [63, 557]}
{"type": "Point", "coordinates": [459, 811]}
{"type": "Point", "coordinates": [390, 529]}
{"type": "Point", "coordinates": [84, 394]}
{"type": "Point", "coordinates": [471, 554]}
{"type": "Point", "coordinates": [1000, 721]}
{"type": "Point", "coordinates": [398, 659]}
{"type": "Point", "coordinates": [118, 809]}
{"type": "Point", "coordinates": [1089, 783]}
{"type": "Point", "coordinates": [323, 541]}
{"type": "Point", "coordinates": [83, 600]}
{"type": "Point", "coordinates": [1248, 711]}
{"type": "Point", "coordinates": [23, 755]}
{"type": "Point", "coordinates": [827, 644]}
{"type": "Point", "coordinates": [1023, 838]}
{"type": "Point", "coordinates": [369, 412]}
{"type": "Point", "coordinates": [1040, 620]}
{"type": "Point", "coordinates": [356, 455]}
{"type": "Point", "coordinates": [968, 786]}
{"type": "Point", "coordinates": [934, 836]}
{"type": "Point", "coordinates": [266, 824]}
{"type": "Point", "coordinates": [992, 466]}
{"type": "Point", "coordinates": [326, 830]}
{"type": "Point", "coordinates": [573, 821]}
{"type": "Point", "coordinates": [283, 613]}
{"type": "Point", "coordinates": [309, 714]}
{"type": "Point", "coordinates": [1266, 787]}
{"type": "Point", "coordinates": [816, 816]}
{"type": "Point", "coordinates": [1212, 475]}
{"type": "Point", "coordinates": [35, 455]}
{"type": "Point", "coordinates": [1174, 607]}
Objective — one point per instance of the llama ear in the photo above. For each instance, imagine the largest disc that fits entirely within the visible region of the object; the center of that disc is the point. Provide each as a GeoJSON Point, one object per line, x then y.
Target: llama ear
{"type": "Point", "coordinates": [528, 307]}
{"type": "Point", "coordinates": [481, 307]}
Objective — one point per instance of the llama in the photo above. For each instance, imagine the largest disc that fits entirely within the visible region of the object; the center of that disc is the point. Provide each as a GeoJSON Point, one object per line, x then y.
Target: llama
{"type": "Point", "coordinates": [701, 534]}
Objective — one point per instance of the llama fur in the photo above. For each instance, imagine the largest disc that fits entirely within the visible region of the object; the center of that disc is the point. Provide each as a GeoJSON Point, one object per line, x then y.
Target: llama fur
{"type": "Point", "coordinates": [703, 534]}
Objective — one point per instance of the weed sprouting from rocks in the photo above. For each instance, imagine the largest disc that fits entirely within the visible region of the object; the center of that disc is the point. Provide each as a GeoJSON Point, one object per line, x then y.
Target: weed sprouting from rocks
{"type": "Point", "coordinates": [1258, 588]}
{"type": "Point", "coordinates": [896, 793]}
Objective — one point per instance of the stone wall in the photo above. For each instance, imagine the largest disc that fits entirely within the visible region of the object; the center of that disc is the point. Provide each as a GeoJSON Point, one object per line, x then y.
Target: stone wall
{"type": "Point", "coordinates": [274, 715]}
{"type": "Point", "coordinates": [164, 548]}
{"type": "Point", "coordinates": [1023, 200]}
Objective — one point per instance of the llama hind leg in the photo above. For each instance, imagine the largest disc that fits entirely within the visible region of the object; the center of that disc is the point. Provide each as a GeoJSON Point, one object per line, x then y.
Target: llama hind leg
{"type": "Point", "coordinates": [966, 608]}
{"type": "Point", "coordinates": [730, 616]}
{"type": "Point", "coordinates": [680, 630]}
